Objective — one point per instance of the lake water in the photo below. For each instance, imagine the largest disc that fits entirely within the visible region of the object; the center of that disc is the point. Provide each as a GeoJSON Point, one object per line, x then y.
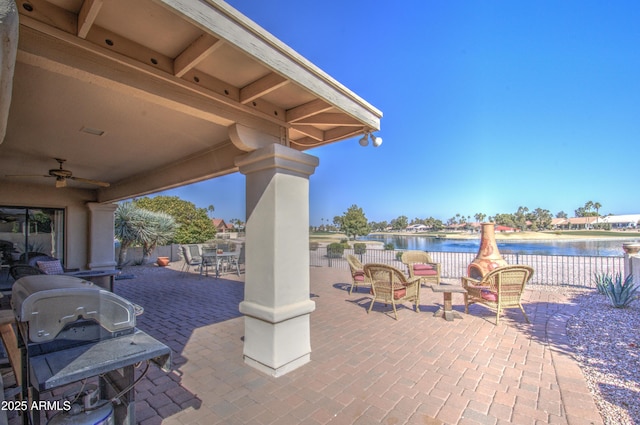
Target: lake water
{"type": "Point", "coordinates": [603, 248]}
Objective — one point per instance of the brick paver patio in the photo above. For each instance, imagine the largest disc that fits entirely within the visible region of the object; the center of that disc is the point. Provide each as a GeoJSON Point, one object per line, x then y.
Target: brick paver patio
{"type": "Point", "coordinates": [365, 368]}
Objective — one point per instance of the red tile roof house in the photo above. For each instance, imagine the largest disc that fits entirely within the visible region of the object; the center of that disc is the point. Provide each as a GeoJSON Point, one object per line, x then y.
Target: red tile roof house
{"type": "Point", "coordinates": [221, 226]}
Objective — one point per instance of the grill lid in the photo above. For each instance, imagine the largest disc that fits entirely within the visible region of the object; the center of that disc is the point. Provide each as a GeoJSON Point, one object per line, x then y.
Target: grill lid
{"type": "Point", "coordinates": [50, 302]}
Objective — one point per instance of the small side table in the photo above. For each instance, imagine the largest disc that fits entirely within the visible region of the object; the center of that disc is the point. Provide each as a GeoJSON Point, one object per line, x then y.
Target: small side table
{"type": "Point", "coordinates": [446, 311]}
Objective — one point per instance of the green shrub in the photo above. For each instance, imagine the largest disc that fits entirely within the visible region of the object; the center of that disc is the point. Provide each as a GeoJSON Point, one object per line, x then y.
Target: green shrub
{"type": "Point", "coordinates": [389, 246]}
{"type": "Point", "coordinates": [399, 255]}
{"type": "Point", "coordinates": [359, 248]}
{"type": "Point", "coordinates": [620, 293]}
{"type": "Point", "coordinates": [601, 280]}
{"type": "Point", "coordinates": [335, 250]}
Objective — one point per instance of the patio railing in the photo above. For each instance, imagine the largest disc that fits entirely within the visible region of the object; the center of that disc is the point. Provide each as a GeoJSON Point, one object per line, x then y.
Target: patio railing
{"type": "Point", "coordinates": [558, 270]}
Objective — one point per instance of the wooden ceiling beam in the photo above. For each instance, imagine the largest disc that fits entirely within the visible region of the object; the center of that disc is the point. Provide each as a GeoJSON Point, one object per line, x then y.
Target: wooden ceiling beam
{"type": "Point", "coordinates": [329, 118]}
{"type": "Point", "coordinates": [116, 43]}
{"type": "Point", "coordinates": [53, 15]}
{"type": "Point", "coordinates": [310, 131]}
{"type": "Point", "coordinates": [87, 16]}
{"type": "Point", "coordinates": [194, 54]}
{"type": "Point", "coordinates": [261, 87]}
{"type": "Point", "coordinates": [340, 133]}
{"type": "Point", "coordinates": [314, 107]}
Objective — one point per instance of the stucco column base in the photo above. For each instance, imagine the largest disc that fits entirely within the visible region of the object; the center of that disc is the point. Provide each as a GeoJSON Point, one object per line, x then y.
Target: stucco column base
{"type": "Point", "coordinates": [277, 348]}
{"type": "Point", "coordinates": [276, 304]}
{"type": "Point", "coordinates": [101, 236]}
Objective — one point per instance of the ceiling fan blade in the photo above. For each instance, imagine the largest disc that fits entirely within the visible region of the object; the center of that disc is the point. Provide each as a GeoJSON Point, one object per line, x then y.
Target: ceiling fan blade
{"type": "Point", "coordinates": [27, 175]}
{"type": "Point", "coordinates": [90, 181]}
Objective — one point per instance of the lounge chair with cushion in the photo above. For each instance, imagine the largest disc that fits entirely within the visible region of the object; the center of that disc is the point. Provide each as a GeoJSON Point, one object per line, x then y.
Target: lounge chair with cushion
{"type": "Point", "coordinates": [390, 286]}
{"type": "Point", "coordinates": [499, 289]}
{"type": "Point", "coordinates": [419, 263]}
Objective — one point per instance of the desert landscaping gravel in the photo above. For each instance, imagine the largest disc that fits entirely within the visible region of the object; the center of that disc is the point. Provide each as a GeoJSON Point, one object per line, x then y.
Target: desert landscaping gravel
{"type": "Point", "coordinates": [606, 341]}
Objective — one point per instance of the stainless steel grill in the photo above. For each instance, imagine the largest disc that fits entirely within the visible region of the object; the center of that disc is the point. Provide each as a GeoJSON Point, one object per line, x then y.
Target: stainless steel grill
{"type": "Point", "coordinates": [71, 330]}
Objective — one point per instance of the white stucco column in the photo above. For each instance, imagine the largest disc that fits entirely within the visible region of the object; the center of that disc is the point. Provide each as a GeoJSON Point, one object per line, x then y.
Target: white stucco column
{"type": "Point", "coordinates": [276, 305]}
{"type": "Point", "coordinates": [632, 261]}
{"type": "Point", "coordinates": [101, 236]}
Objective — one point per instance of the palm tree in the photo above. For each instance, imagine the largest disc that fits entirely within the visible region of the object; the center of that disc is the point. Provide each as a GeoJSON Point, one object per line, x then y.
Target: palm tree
{"type": "Point", "coordinates": [597, 206]}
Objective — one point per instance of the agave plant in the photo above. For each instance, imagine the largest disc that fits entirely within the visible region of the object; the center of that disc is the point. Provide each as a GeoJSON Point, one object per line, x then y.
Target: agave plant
{"type": "Point", "coordinates": [602, 281]}
{"type": "Point", "coordinates": [620, 293]}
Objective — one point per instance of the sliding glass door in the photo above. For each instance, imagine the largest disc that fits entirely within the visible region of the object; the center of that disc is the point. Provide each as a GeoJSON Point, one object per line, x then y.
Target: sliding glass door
{"type": "Point", "coordinates": [27, 231]}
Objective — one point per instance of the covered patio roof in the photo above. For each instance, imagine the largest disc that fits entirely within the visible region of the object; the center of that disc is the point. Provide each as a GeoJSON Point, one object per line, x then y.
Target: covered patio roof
{"type": "Point", "coordinates": [154, 94]}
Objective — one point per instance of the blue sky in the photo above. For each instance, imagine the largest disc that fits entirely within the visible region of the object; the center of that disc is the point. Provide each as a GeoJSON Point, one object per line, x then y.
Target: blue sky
{"type": "Point", "coordinates": [488, 106]}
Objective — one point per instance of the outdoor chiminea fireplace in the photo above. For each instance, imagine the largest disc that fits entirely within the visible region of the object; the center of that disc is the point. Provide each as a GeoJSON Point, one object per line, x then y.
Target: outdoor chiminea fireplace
{"type": "Point", "coordinates": [488, 257]}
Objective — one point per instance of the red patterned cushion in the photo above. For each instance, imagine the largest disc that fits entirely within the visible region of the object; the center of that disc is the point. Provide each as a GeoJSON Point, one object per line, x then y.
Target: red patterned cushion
{"type": "Point", "coordinates": [422, 267]}
{"type": "Point", "coordinates": [359, 277]}
{"type": "Point", "coordinates": [488, 295]}
{"type": "Point", "coordinates": [50, 267]}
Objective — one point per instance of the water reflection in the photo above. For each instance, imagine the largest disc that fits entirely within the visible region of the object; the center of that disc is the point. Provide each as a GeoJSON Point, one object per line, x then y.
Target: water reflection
{"type": "Point", "coordinates": [603, 248]}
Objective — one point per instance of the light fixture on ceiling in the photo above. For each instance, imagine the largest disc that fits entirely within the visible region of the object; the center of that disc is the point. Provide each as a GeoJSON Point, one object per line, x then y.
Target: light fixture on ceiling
{"type": "Point", "coordinates": [364, 141]}
{"type": "Point", "coordinates": [375, 140]}
{"type": "Point", "coordinates": [92, 131]}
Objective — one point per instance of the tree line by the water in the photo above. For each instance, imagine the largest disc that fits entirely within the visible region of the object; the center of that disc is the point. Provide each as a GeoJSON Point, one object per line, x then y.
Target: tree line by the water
{"type": "Point", "coordinates": [353, 222]}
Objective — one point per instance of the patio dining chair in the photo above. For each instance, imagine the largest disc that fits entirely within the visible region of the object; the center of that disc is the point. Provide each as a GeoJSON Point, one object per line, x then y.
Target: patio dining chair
{"type": "Point", "coordinates": [420, 264]}
{"type": "Point", "coordinates": [499, 289]}
{"type": "Point", "coordinates": [238, 259]}
{"type": "Point", "coordinates": [390, 286]}
{"type": "Point", "coordinates": [358, 276]}
{"type": "Point", "coordinates": [192, 256]}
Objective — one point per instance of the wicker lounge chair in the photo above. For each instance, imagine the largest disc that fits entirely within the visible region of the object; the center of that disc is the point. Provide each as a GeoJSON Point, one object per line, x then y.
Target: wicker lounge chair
{"type": "Point", "coordinates": [419, 263]}
{"type": "Point", "coordinates": [390, 286]}
{"type": "Point", "coordinates": [499, 289]}
{"type": "Point", "coordinates": [358, 276]}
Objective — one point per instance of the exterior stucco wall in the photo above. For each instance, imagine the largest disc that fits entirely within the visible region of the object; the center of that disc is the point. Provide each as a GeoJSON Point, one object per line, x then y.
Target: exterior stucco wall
{"type": "Point", "coordinates": [76, 214]}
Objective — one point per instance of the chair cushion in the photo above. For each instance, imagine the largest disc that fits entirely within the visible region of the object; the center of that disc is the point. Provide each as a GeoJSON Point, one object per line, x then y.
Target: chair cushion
{"type": "Point", "coordinates": [425, 272]}
{"type": "Point", "coordinates": [399, 293]}
{"type": "Point", "coordinates": [359, 276]}
{"type": "Point", "coordinates": [422, 267]}
{"type": "Point", "coordinates": [50, 267]}
{"type": "Point", "coordinates": [488, 295]}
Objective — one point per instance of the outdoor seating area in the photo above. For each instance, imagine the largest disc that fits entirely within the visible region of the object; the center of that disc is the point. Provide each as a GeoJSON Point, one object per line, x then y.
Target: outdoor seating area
{"type": "Point", "coordinates": [363, 369]}
{"type": "Point", "coordinates": [217, 257]}
{"type": "Point", "coordinates": [502, 288]}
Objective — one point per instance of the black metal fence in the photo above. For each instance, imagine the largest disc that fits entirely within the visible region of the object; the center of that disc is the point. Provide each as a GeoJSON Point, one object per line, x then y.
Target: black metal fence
{"type": "Point", "coordinates": [548, 269]}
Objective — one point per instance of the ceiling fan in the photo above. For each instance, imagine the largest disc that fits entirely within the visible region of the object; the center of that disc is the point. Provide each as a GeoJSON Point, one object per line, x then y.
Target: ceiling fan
{"type": "Point", "coordinates": [62, 175]}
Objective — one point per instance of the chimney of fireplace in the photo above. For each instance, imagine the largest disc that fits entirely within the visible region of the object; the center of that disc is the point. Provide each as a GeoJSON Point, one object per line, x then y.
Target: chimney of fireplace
{"type": "Point", "coordinates": [488, 257]}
